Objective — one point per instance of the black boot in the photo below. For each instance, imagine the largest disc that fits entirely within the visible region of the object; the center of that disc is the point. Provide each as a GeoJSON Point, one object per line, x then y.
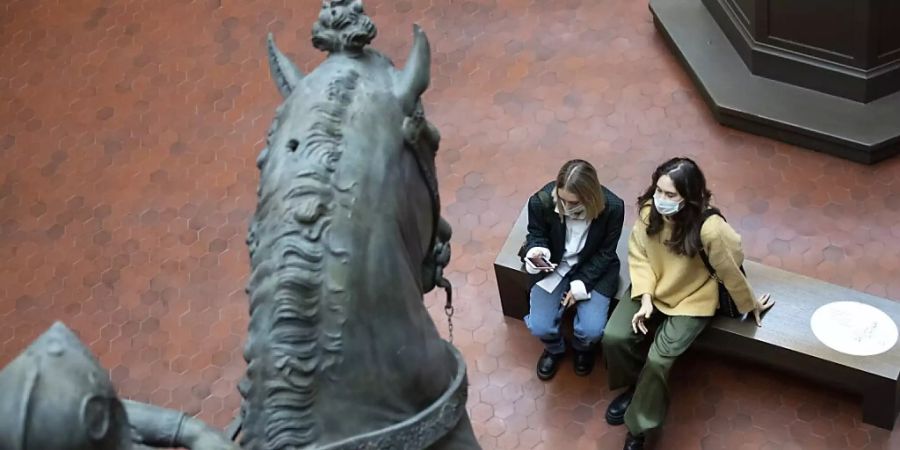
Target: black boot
{"type": "Point", "coordinates": [615, 413]}
{"type": "Point", "coordinates": [548, 365]}
{"type": "Point", "coordinates": [633, 442]}
{"type": "Point", "coordinates": [584, 363]}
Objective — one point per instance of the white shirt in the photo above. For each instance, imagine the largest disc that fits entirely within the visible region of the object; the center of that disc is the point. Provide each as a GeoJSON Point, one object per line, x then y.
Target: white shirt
{"type": "Point", "coordinates": [576, 236]}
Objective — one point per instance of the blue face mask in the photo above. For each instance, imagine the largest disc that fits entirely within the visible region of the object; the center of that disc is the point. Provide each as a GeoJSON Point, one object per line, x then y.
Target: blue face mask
{"type": "Point", "coordinates": [665, 206]}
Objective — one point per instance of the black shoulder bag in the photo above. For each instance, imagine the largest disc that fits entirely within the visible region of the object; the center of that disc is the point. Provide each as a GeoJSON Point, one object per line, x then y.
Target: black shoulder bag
{"type": "Point", "coordinates": [727, 307]}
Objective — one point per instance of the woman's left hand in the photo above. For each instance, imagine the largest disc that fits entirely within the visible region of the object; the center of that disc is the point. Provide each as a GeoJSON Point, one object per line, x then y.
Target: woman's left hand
{"type": "Point", "coordinates": [568, 300]}
{"type": "Point", "coordinates": [762, 305]}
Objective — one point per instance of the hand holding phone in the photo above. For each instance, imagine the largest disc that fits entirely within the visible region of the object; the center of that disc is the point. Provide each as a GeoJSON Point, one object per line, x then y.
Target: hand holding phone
{"type": "Point", "coordinates": [541, 263]}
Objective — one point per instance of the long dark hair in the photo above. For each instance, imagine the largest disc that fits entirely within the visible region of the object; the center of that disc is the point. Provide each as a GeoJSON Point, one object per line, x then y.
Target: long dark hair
{"type": "Point", "coordinates": [686, 223]}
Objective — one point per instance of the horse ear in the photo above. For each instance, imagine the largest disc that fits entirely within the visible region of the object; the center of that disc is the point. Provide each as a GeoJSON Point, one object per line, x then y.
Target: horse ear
{"type": "Point", "coordinates": [284, 72]}
{"type": "Point", "coordinates": [416, 74]}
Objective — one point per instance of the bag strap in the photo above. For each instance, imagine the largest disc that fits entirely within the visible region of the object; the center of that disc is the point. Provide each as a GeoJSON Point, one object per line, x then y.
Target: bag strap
{"type": "Point", "coordinates": [709, 266]}
{"type": "Point", "coordinates": [706, 215]}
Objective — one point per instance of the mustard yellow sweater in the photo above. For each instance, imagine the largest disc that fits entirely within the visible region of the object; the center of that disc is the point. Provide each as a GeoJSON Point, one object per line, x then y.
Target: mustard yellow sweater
{"type": "Point", "coordinates": [681, 285]}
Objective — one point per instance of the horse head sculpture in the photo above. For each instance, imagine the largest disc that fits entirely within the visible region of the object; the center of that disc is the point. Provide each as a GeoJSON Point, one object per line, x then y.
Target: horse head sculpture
{"type": "Point", "coordinates": [346, 239]}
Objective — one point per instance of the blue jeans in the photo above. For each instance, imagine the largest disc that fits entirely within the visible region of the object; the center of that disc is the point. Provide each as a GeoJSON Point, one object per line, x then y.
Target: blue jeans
{"type": "Point", "coordinates": [546, 312]}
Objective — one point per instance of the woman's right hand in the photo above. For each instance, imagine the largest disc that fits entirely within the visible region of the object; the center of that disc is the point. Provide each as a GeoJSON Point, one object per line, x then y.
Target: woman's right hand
{"type": "Point", "coordinates": [538, 251]}
{"type": "Point", "coordinates": [763, 304]}
{"type": "Point", "coordinates": [638, 321]}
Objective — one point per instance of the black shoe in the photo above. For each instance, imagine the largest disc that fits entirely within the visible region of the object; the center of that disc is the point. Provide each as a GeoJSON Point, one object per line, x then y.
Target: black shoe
{"type": "Point", "coordinates": [615, 413]}
{"type": "Point", "coordinates": [548, 365]}
{"type": "Point", "coordinates": [633, 442]}
{"type": "Point", "coordinates": [584, 363]}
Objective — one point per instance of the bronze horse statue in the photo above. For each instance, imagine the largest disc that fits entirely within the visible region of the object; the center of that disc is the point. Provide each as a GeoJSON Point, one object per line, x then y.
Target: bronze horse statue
{"type": "Point", "coordinates": [346, 239]}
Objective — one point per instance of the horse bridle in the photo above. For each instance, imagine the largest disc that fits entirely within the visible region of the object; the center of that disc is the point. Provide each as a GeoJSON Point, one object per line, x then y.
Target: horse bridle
{"type": "Point", "coordinates": [423, 429]}
{"type": "Point", "coordinates": [423, 139]}
{"type": "Point", "coordinates": [434, 422]}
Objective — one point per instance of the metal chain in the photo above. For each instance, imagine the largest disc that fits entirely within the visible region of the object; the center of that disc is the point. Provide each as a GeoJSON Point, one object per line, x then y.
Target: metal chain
{"type": "Point", "coordinates": [448, 307]}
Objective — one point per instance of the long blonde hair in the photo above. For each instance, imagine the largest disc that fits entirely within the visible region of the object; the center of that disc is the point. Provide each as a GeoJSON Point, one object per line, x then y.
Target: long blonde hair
{"type": "Point", "coordinates": [580, 178]}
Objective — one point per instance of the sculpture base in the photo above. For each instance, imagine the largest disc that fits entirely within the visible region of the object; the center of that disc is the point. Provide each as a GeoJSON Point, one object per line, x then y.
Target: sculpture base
{"type": "Point", "coordinates": [865, 133]}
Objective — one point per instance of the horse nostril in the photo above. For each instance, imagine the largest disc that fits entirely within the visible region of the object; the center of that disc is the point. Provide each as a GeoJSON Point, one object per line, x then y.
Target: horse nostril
{"type": "Point", "coordinates": [293, 144]}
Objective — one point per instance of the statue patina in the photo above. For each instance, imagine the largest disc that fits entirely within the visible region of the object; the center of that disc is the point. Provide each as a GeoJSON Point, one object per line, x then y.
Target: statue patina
{"type": "Point", "coordinates": [56, 396]}
{"type": "Point", "coordinates": [346, 239]}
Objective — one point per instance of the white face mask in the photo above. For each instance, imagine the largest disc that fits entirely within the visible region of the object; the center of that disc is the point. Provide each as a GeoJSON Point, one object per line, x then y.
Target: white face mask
{"type": "Point", "coordinates": [575, 211]}
{"type": "Point", "coordinates": [665, 206]}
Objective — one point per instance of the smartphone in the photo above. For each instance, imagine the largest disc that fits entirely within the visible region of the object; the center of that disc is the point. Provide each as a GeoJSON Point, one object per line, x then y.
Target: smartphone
{"type": "Point", "coordinates": [540, 262]}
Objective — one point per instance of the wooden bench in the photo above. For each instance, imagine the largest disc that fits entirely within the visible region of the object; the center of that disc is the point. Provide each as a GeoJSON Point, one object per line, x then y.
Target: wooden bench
{"type": "Point", "coordinates": [785, 341]}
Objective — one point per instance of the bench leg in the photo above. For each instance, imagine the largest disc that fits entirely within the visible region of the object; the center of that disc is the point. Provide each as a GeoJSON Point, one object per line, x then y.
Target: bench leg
{"type": "Point", "coordinates": [513, 287]}
{"type": "Point", "coordinates": [880, 401]}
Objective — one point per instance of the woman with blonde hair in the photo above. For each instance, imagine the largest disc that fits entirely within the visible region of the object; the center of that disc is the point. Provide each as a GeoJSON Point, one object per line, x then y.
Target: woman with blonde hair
{"type": "Point", "coordinates": [574, 224]}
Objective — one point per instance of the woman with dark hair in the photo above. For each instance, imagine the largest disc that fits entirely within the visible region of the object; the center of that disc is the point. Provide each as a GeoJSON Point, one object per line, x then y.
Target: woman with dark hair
{"type": "Point", "coordinates": [672, 290]}
{"type": "Point", "coordinates": [574, 224]}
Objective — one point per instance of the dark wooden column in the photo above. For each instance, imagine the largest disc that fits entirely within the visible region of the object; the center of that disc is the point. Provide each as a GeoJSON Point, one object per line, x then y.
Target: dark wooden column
{"type": "Point", "coordinates": [822, 74]}
{"type": "Point", "coordinates": [848, 48]}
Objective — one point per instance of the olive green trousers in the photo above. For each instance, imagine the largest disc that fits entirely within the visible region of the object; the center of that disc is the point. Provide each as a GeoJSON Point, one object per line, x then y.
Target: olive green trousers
{"type": "Point", "coordinates": [628, 366]}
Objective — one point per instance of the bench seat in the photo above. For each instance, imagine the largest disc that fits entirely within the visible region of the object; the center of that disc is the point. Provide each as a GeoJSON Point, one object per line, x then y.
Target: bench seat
{"type": "Point", "coordinates": [786, 341]}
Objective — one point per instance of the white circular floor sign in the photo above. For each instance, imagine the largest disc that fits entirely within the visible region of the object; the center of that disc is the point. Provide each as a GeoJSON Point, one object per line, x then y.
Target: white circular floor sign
{"type": "Point", "coordinates": [854, 328]}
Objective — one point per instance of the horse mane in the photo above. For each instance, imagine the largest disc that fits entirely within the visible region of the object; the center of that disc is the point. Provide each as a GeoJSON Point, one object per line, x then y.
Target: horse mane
{"type": "Point", "coordinates": [303, 313]}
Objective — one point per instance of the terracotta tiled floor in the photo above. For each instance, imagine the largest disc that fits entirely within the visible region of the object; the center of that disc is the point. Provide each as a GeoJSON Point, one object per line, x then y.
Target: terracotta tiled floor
{"type": "Point", "coordinates": [128, 133]}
